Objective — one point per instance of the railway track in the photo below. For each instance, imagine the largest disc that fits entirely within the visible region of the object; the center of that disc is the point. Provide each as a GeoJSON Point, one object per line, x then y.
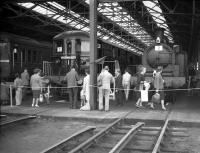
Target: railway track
{"type": "Point", "coordinates": [137, 138]}
{"type": "Point", "coordinates": [119, 136]}
{"type": "Point", "coordinates": [8, 120]}
{"type": "Point", "coordinates": [69, 143]}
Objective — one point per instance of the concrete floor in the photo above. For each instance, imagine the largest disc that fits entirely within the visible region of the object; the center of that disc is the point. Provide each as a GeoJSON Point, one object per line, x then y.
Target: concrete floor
{"type": "Point", "coordinates": [185, 109]}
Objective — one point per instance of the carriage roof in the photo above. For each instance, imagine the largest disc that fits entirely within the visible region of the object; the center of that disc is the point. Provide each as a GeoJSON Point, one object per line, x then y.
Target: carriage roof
{"type": "Point", "coordinates": [71, 34]}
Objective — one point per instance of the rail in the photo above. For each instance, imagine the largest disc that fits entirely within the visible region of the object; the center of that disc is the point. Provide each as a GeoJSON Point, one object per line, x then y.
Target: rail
{"type": "Point", "coordinates": [93, 139]}
{"type": "Point", "coordinates": [17, 120]}
{"type": "Point", "coordinates": [60, 145]}
{"type": "Point", "coordinates": [2, 116]}
{"type": "Point", "coordinates": [123, 142]}
{"type": "Point", "coordinates": [159, 140]}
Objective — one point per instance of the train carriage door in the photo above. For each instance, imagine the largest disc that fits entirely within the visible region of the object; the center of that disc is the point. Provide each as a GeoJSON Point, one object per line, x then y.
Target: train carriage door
{"type": "Point", "coordinates": [4, 59]}
{"type": "Point", "coordinates": [68, 61]}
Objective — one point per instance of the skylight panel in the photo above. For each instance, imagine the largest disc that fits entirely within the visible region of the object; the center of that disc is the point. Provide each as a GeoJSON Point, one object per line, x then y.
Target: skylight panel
{"type": "Point", "coordinates": [102, 33]}
{"type": "Point", "coordinates": [27, 5]}
{"type": "Point", "coordinates": [86, 29]}
{"type": "Point", "coordinates": [125, 18]}
{"type": "Point", "coordinates": [154, 9]}
{"type": "Point", "coordinates": [62, 19]}
{"type": "Point", "coordinates": [56, 5]}
{"type": "Point", "coordinates": [116, 13]}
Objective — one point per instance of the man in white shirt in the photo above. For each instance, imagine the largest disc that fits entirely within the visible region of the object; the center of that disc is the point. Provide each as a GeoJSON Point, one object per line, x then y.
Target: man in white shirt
{"type": "Point", "coordinates": [126, 82]}
{"type": "Point", "coordinates": [104, 90]}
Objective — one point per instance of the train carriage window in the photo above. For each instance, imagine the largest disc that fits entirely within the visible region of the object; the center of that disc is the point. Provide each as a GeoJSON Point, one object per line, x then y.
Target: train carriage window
{"type": "Point", "coordinates": [39, 57]}
{"type": "Point", "coordinates": [15, 54]}
{"type": "Point", "coordinates": [69, 50]}
{"type": "Point", "coordinates": [29, 56]}
{"type": "Point", "coordinates": [23, 55]}
{"type": "Point", "coordinates": [34, 56]}
{"type": "Point", "coordinates": [59, 46]}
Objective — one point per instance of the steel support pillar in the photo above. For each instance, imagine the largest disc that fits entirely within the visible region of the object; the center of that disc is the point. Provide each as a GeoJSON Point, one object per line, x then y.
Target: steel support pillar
{"type": "Point", "coordinates": [93, 54]}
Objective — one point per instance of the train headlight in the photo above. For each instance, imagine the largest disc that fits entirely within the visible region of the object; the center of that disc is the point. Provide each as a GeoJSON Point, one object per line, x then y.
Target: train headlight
{"type": "Point", "coordinates": [15, 50]}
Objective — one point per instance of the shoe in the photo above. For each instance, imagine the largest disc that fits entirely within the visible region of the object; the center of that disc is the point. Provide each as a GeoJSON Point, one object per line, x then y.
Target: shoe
{"type": "Point", "coordinates": [152, 107]}
{"type": "Point", "coordinates": [137, 105]}
{"type": "Point", "coordinates": [32, 105]}
{"type": "Point", "coordinates": [37, 106]}
{"type": "Point", "coordinates": [163, 108]}
{"type": "Point", "coordinates": [141, 106]}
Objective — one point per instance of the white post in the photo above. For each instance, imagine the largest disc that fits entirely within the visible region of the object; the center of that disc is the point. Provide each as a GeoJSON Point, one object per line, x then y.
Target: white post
{"type": "Point", "coordinates": [11, 102]}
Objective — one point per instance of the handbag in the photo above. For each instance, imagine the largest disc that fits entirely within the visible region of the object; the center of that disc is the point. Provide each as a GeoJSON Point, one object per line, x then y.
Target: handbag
{"type": "Point", "coordinates": [156, 98]}
{"type": "Point", "coordinates": [41, 99]}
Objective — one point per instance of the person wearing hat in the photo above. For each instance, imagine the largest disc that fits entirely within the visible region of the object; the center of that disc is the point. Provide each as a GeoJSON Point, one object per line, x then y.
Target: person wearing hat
{"type": "Point", "coordinates": [36, 85]}
{"type": "Point", "coordinates": [104, 90]}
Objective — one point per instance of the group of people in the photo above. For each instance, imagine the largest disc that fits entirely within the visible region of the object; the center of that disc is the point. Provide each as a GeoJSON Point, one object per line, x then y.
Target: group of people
{"type": "Point", "coordinates": [156, 95]}
{"type": "Point", "coordinates": [37, 84]}
{"type": "Point", "coordinates": [21, 84]}
{"type": "Point", "coordinates": [122, 84]}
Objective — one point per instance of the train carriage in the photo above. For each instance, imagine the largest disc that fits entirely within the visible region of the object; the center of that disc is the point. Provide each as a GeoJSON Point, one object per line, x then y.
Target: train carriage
{"type": "Point", "coordinates": [18, 52]}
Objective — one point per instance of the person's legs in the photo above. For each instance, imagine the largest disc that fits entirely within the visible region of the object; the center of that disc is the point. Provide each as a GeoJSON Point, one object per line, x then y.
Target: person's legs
{"type": "Point", "coordinates": [127, 90]}
{"type": "Point", "coordinates": [20, 96]}
{"type": "Point", "coordinates": [33, 102]}
{"type": "Point", "coordinates": [107, 93]}
{"type": "Point", "coordinates": [70, 97]}
{"type": "Point", "coordinates": [100, 99]}
{"type": "Point", "coordinates": [120, 94]}
{"type": "Point", "coordinates": [36, 102]}
{"type": "Point", "coordinates": [37, 98]}
{"type": "Point", "coordinates": [138, 95]}
{"type": "Point", "coordinates": [24, 91]}
{"type": "Point", "coordinates": [162, 96]}
{"type": "Point", "coordinates": [75, 94]}
{"type": "Point", "coordinates": [117, 101]}
{"type": "Point", "coordinates": [17, 97]}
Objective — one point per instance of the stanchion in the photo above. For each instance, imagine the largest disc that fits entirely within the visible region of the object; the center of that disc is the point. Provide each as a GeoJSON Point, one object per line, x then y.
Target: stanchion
{"type": "Point", "coordinates": [11, 101]}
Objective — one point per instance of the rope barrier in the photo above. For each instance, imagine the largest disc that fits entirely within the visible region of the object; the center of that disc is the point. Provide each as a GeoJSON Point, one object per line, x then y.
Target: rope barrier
{"type": "Point", "coordinates": [177, 89]}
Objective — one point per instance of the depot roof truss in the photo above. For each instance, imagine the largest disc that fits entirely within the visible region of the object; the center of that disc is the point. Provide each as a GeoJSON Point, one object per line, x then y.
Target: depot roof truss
{"type": "Point", "coordinates": [60, 16]}
{"type": "Point", "coordinates": [116, 25]}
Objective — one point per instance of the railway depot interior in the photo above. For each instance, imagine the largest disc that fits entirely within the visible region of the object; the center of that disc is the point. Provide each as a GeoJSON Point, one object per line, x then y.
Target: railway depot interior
{"type": "Point", "coordinates": [54, 35]}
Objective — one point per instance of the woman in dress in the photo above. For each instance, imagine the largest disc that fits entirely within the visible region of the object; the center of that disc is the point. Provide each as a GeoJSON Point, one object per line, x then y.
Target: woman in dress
{"type": "Point", "coordinates": [140, 85]}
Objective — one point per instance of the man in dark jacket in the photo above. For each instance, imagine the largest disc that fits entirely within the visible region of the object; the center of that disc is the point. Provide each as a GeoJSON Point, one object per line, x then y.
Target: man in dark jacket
{"type": "Point", "coordinates": [119, 88]}
{"type": "Point", "coordinates": [72, 78]}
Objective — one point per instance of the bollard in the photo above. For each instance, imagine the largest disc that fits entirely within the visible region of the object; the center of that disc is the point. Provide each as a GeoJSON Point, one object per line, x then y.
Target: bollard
{"type": "Point", "coordinates": [11, 102]}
